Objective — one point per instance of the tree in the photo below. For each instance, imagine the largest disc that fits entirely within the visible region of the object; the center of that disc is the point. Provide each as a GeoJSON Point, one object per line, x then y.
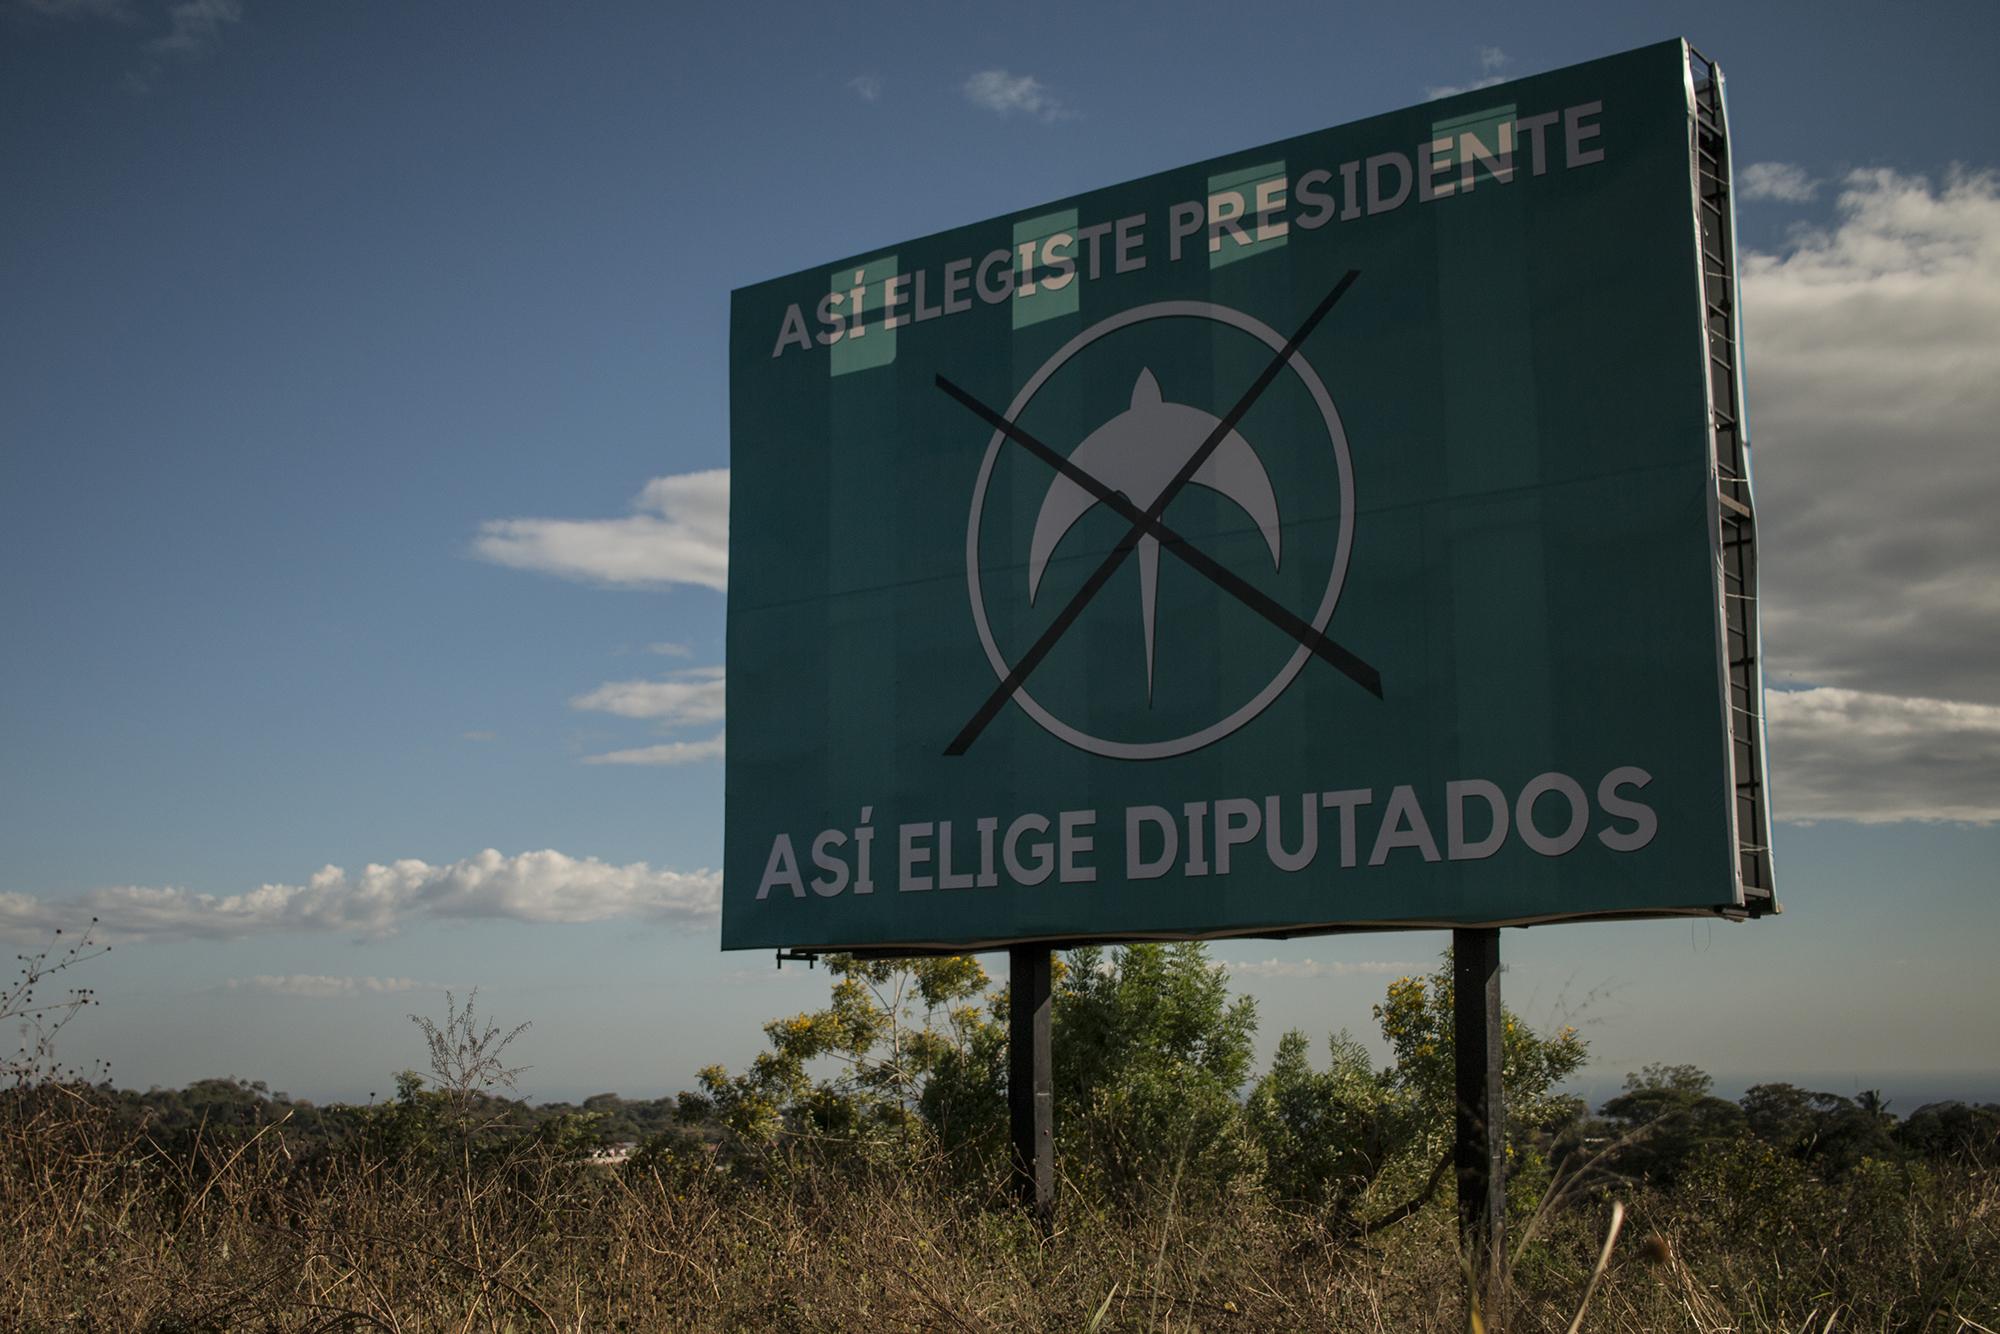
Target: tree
{"type": "Point", "coordinates": [1150, 1052]}
{"type": "Point", "coordinates": [1326, 1135]}
{"type": "Point", "coordinates": [1680, 1081]}
{"type": "Point", "coordinates": [887, 1028]}
{"type": "Point", "coordinates": [1953, 1130]}
{"type": "Point", "coordinates": [1830, 1131]}
{"type": "Point", "coordinates": [1665, 1120]}
{"type": "Point", "coordinates": [1345, 1138]}
{"type": "Point", "coordinates": [1416, 1020]}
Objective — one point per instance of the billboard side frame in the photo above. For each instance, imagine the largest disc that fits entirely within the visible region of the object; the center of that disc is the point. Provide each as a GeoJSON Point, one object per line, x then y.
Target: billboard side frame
{"type": "Point", "coordinates": [1732, 511]}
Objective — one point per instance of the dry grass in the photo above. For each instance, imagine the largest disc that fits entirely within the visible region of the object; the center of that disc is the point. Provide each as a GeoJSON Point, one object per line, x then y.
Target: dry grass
{"type": "Point", "coordinates": [100, 1231]}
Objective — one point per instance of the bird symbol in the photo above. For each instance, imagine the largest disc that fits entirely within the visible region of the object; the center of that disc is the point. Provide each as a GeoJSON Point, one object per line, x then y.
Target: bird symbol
{"type": "Point", "coordinates": [1139, 452]}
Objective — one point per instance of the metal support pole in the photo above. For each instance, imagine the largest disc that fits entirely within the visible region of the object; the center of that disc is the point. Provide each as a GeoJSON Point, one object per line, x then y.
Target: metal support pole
{"type": "Point", "coordinates": [1479, 1144]}
{"type": "Point", "coordinates": [1030, 1084]}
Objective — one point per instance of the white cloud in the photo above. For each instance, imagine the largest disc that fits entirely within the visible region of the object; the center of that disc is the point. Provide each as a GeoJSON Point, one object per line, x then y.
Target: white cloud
{"type": "Point", "coordinates": [678, 534]}
{"type": "Point", "coordinates": [195, 26]}
{"type": "Point", "coordinates": [691, 697]}
{"type": "Point", "coordinates": [685, 699]}
{"type": "Point", "coordinates": [867, 87]}
{"type": "Point", "coordinates": [1003, 93]}
{"type": "Point", "coordinates": [1435, 91]}
{"type": "Point", "coordinates": [667, 752]}
{"type": "Point", "coordinates": [544, 886]}
{"type": "Point", "coordinates": [670, 650]}
{"type": "Point", "coordinates": [318, 986]}
{"type": "Point", "coordinates": [1491, 61]}
{"type": "Point", "coordinates": [1852, 755]}
{"type": "Point", "coordinates": [1290, 968]}
{"type": "Point", "coordinates": [1785, 182]}
{"type": "Point", "coordinates": [1871, 359]}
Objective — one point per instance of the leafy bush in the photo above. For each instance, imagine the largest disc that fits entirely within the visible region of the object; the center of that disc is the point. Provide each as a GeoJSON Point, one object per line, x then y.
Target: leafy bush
{"type": "Point", "coordinates": [1326, 1134]}
{"type": "Point", "coordinates": [1352, 1139]}
{"type": "Point", "coordinates": [1149, 1053]}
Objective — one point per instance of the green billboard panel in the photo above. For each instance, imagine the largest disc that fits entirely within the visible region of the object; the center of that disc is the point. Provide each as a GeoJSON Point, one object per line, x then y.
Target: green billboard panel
{"type": "Point", "coordinates": [1320, 537]}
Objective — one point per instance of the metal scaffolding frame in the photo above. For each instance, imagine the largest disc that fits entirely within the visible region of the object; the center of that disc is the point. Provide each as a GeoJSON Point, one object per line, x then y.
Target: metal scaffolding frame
{"type": "Point", "coordinates": [1736, 529]}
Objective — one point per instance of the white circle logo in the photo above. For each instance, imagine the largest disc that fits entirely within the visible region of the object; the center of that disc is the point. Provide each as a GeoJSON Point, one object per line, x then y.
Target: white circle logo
{"type": "Point", "coordinates": [1131, 469]}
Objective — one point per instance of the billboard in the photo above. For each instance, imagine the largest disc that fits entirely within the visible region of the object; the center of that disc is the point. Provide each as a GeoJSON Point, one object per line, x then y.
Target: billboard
{"type": "Point", "coordinates": [1321, 537]}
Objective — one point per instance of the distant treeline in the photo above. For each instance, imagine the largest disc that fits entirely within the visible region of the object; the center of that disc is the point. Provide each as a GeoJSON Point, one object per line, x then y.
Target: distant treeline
{"type": "Point", "coordinates": [226, 1106]}
{"type": "Point", "coordinates": [1153, 1073]}
{"type": "Point", "coordinates": [1664, 1119]}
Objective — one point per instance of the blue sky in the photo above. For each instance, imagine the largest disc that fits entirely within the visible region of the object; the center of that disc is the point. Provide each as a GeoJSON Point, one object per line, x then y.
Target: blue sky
{"type": "Point", "coordinates": [365, 382]}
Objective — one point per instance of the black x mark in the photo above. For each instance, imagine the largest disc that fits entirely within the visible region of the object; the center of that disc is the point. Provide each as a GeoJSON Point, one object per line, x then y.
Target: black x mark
{"type": "Point", "coordinates": [1148, 523]}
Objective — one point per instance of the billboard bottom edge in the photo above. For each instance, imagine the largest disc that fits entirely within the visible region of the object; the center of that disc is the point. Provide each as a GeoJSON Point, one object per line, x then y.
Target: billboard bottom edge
{"type": "Point", "coordinates": [1729, 912]}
